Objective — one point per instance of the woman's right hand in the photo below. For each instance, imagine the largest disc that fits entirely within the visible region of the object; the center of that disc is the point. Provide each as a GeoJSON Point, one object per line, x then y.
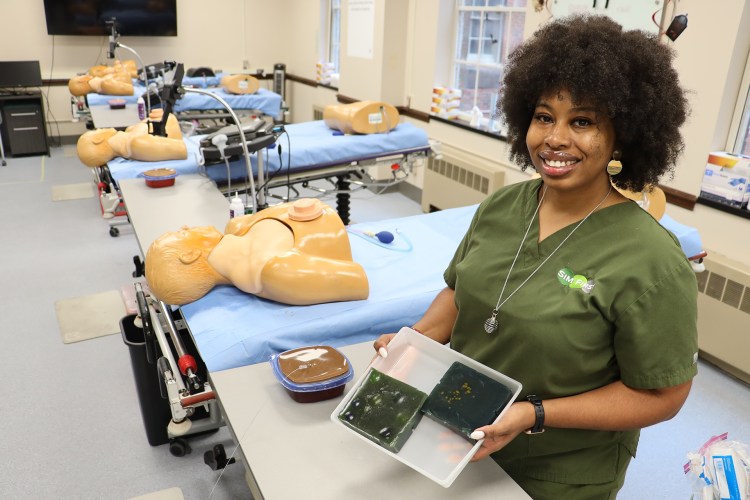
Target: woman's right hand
{"type": "Point", "coordinates": [381, 344]}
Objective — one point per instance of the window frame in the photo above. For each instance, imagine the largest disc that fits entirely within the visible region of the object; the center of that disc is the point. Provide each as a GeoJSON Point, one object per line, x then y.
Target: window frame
{"type": "Point", "coordinates": [741, 117]}
{"type": "Point", "coordinates": [333, 11]}
{"type": "Point", "coordinates": [457, 63]}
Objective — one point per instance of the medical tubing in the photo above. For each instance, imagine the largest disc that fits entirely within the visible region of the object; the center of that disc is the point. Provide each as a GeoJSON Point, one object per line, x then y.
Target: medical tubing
{"type": "Point", "coordinates": [229, 175]}
{"type": "Point", "coordinates": [145, 75]}
{"type": "Point", "coordinates": [375, 241]}
{"type": "Point", "coordinates": [248, 165]}
{"type": "Point", "coordinates": [165, 350]}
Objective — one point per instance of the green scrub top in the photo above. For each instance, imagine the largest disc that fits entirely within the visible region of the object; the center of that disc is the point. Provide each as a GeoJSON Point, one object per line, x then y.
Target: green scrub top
{"type": "Point", "coordinates": [617, 301]}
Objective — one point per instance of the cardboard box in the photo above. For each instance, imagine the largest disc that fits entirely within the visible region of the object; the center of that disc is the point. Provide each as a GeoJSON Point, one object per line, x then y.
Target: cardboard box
{"type": "Point", "coordinates": [726, 179]}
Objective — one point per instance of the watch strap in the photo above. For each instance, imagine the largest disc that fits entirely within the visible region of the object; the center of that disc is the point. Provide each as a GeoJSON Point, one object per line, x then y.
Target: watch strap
{"type": "Point", "coordinates": [538, 427]}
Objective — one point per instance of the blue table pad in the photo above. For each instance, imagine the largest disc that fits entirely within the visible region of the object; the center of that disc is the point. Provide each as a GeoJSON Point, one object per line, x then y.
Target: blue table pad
{"type": "Point", "coordinates": [310, 145]}
{"type": "Point", "coordinates": [265, 101]}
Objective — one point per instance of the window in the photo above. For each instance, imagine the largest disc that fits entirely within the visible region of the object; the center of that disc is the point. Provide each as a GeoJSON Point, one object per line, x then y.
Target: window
{"type": "Point", "coordinates": [486, 32]}
{"type": "Point", "coordinates": [334, 33]}
{"type": "Point", "coordinates": [742, 142]}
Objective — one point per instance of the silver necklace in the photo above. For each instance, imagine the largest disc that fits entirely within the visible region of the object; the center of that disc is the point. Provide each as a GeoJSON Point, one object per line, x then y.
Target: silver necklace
{"type": "Point", "coordinates": [491, 323]}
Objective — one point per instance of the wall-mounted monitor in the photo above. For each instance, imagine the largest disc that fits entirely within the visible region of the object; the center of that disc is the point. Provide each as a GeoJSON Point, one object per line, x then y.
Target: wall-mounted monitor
{"type": "Point", "coordinates": [133, 17]}
{"type": "Point", "coordinates": [20, 74]}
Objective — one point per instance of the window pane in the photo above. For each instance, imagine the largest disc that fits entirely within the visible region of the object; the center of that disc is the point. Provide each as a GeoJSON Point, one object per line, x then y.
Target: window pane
{"type": "Point", "coordinates": [468, 36]}
{"type": "Point", "coordinates": [494, 26]}
{"type": "Point", "coordinates": [742, 146]}
{"type": "Point", "coordinates": [489, 81]}
{"type": "Point", "coordinates": [335, 34]}
{"type": "Point", "coordinates": [466, 77]}
{"type": "Point", "coordinates": [515, 34]}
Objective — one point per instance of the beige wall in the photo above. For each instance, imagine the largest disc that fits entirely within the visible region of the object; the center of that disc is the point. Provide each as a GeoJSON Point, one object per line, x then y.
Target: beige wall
{"type": "Point", "coordinates": [223, 33]}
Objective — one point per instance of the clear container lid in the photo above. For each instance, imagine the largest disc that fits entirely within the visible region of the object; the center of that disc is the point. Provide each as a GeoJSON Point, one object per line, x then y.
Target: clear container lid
{"type": "Point", "coordinates": [310, 369]}
{"type": "Point", "coordinates": [159, 174]}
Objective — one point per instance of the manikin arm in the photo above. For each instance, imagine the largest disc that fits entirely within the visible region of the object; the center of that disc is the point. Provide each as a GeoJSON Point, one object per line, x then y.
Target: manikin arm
{"type": "Point", "coordinates": [299, 279]}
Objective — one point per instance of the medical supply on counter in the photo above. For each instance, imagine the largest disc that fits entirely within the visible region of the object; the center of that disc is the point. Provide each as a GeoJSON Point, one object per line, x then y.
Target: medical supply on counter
{"type": "Point", "coordinates": [476, 117]}
{"type": "Point", "coordinates": [141, 108]}
{"type": "Point", "coordinates": [160, 177]}
{"type": "Point", "coordinates": [314, 373]}
{"type": "Point", "coordinates": [445, 102]}
{"type": "Point", "coordinates": [726, 179]}
{"type": "Point", "coordinates": [236, 207]}
{"type": "Point", "coordinates": [385, 239]}
{"type": "Point", "coordinates": [720, 470]}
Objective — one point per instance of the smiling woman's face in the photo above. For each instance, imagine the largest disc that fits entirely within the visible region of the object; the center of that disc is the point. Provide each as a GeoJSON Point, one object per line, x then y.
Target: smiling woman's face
{"type": "Point", "coordinates": [570, 143]}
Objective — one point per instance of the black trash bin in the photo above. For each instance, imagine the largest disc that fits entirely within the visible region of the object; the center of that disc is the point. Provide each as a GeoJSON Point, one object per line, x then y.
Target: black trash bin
{"type": "Point", "coordinates": [154, 408]}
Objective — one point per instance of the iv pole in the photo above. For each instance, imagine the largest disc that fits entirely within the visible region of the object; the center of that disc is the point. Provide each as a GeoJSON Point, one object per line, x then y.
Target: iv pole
{"type": "Point", "coordinates": [114, 44]}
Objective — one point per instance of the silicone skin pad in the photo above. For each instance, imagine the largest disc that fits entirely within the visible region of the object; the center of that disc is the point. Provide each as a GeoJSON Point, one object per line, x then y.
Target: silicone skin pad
{"type": "Point", "coordinates": [384, 410]}
{"type": "Point", "coordinates": [465, 399]}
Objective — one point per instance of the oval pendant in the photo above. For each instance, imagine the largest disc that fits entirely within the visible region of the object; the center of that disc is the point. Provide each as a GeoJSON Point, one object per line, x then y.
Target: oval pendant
{"type": "Point", "coordinates": [490, 325]}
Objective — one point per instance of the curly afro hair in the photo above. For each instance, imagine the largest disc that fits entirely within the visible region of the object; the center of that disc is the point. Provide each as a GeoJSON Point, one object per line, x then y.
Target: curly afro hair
{"type": "Point", "coordinates": [628, 74]}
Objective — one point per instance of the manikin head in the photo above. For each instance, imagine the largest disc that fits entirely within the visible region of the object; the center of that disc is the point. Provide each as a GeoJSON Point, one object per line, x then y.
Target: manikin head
{"type": "Point", "coordinates": [79, 85]}
{"type": "Point", "coordinates": [182, 257]}
{"type": "Point", "coordinates": [93, 148]}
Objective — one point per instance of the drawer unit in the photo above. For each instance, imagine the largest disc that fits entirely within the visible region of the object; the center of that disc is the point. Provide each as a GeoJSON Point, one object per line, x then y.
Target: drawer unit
{"type": "Point", "coordinates": [24, 130]}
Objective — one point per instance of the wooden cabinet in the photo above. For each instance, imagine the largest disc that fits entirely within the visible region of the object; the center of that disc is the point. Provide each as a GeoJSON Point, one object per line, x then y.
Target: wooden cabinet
{"type": "Point", "coordinates": [24, 130]}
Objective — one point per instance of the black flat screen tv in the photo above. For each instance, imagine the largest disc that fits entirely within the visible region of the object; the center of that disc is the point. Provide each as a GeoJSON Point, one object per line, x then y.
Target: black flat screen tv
{"type": "Point", "coordinates": [20, 74]}
{"type": "Point", "coordinates": [133, 17]}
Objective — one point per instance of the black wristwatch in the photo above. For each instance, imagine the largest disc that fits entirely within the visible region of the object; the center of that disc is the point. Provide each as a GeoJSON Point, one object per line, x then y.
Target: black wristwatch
{"type": "Point", "coordinates": [539, 412]}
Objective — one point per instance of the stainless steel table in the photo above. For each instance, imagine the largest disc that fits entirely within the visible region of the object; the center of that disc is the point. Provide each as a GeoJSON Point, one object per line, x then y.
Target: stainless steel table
{"type": "Point", "coordinates": [293, 450]}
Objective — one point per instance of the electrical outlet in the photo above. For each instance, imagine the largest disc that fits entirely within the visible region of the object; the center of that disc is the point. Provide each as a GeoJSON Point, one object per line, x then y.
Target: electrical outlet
{"type": "Point", "coordinates": [245, 64]}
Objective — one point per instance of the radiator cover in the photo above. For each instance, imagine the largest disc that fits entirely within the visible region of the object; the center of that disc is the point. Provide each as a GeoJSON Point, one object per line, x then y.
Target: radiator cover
{"type": "Point", "coordinates": [724, 314]}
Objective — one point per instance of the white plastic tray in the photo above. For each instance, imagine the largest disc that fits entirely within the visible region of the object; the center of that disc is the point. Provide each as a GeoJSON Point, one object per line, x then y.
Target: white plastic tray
{"type": "Point", "coordinates": [433, 449]}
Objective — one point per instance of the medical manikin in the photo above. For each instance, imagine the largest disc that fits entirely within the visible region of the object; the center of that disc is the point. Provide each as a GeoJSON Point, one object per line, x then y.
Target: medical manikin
{"type": "Point", "coordinates": [294, 253]}
{"type": "Point", "coordinates": [96, 147]}
{"type": "Point", "coordinates": [363, 117]}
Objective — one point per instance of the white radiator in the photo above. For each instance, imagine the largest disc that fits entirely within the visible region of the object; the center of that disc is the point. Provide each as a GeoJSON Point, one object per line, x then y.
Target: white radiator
{"type": "Point", "coordinates": [724, 314]}
{"type": "Point", "coordinates": [457, 178]}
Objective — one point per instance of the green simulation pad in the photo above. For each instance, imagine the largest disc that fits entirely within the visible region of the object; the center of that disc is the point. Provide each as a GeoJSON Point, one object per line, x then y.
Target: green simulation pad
{"type": "Point", "coordinates": [384, 410]}
{"type": "Point", "coordinates": [465, 399]}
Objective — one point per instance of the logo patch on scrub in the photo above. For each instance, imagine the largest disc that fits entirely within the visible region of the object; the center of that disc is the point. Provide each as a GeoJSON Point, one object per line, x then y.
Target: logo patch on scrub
{"type": "Point", "coordinates": [568, 278]}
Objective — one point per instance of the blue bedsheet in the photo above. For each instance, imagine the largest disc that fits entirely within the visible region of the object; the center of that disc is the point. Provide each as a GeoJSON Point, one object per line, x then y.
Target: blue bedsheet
{"type": "Point", "coordinates": [311, 145]}
{"type": "Point", "coordinates": [267, 102]}
{"type": "Point", "coordinates": [232, 328]}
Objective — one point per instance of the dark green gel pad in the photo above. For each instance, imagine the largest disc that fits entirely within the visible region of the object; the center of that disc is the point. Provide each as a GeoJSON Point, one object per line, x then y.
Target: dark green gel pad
{"type": "Point", "coordinates": [384, 410]}
{"type": "Point", "coordinates": [465, 399]}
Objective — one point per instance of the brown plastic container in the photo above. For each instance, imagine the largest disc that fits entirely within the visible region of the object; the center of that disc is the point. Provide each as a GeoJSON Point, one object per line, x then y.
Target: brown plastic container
{"type": "Point", "coordinates": [313, 373]}
{"type": "Point", "coordinates": [160, 177]}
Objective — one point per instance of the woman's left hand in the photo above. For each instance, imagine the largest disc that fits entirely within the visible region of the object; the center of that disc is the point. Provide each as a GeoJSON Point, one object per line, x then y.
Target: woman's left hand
{"type": "Point", "coordinates": [518, 418]}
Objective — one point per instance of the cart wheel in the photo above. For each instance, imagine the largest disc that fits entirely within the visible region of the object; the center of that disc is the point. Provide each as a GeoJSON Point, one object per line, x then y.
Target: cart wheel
{"type": "Point", "coordinates": [178, 447]}
{"type": "Point", "coordinates": [114, 232]}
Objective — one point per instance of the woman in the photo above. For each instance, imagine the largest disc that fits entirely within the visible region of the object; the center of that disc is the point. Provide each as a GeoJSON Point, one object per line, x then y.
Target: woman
{"type": "Point", "coordinates": [564, 284]}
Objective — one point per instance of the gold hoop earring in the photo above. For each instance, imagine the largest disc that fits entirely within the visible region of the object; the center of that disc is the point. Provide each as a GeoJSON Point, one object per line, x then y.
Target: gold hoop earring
{"type": "Point", "coordinates": [614, 166]}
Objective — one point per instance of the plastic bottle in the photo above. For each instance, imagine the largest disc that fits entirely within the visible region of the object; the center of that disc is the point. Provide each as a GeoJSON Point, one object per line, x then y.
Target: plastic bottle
{"type": "Point", "coordinates": [236, 207]}
{"type": "Point", "coordinates": [141, 108]}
